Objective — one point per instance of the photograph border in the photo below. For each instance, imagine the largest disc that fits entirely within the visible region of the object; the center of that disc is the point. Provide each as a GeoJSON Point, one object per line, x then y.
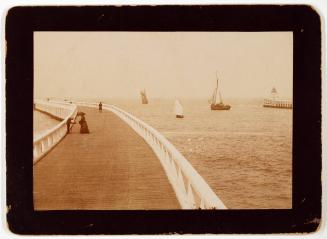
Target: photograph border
{"type": "Point", "coordinates": [302, 20]}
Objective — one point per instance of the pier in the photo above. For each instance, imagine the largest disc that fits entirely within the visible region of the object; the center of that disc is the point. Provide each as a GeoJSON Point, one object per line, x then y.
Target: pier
{"type": "Point", "coordinates": [122, 164]}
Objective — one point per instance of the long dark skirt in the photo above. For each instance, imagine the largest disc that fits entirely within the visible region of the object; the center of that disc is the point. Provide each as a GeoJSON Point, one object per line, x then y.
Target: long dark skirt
{"type": "Point", "coordinates": [84, 128]}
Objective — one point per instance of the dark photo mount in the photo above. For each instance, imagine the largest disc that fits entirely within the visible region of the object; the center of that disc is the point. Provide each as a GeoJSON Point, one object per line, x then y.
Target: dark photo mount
{"type": "Point", "coordinates": [303, 21]}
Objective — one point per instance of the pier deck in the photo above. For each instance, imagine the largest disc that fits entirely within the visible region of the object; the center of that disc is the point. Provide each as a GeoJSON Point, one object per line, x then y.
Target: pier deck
{"type": "Point", "coordinates": [110, 168]}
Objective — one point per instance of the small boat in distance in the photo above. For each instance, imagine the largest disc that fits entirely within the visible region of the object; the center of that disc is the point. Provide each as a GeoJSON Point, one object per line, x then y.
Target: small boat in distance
{"type": "Point", "coordinates": [217, 105]}
{"type": "Point", "coordinates": [275, 102]}
{"type": "Point", "coordinates": [144, 98]}
{"type": "Point", "coordinates": [178, 109]}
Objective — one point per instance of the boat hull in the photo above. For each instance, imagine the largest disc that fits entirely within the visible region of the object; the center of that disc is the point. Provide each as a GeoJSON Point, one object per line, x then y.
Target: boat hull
{"type": "Point", "coordinates": [220, 107]}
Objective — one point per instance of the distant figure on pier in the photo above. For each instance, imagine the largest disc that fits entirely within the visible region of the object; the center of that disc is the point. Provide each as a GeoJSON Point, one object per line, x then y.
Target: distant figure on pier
{"type": "Point", "coordinates": [68, 123]}
{"type": "Point", "coordinates": [100, 106]}
{"type": "Point", "coordinates": [84, 128]}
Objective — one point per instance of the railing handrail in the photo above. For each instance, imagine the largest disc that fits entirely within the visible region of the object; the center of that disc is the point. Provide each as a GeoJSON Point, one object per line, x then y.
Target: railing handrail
{"type": "Point", "coordinates": [50, 131]}
{"type": "Point", "coordinates": [45, 141]}
{"type": "Point", "coordinates": [195, 178]}
{"type": "Point", "coordinates": [197, 182]}
{"type": "Point", "coordinates": [55, 103]}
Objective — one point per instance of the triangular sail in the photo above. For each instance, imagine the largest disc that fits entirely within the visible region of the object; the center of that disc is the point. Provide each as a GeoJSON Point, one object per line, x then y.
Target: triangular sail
{"type": "Point", "coordinates": [220, 97]}
{"type": "Point", "coordinates": [218, 91]}
{"type": "Point", "coordinates": [218, 105]}
{"type": "Point", "coordinates": [214, 95]}
{"type": "Point", "coordinates": [144, 98]}
{"type": "Point", "coordinates": [178, 108]}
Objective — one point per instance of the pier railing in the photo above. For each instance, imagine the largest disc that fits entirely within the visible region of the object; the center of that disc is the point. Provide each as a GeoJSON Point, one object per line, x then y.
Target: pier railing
{"type": "Point", "coordinates": [190, 188]}
{"type": "Point", "coordinates": [47, 140]}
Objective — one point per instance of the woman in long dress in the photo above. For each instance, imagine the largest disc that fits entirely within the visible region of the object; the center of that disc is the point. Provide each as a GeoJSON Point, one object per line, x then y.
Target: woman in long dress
{"type": "Point", "coordinates": [84, 128]}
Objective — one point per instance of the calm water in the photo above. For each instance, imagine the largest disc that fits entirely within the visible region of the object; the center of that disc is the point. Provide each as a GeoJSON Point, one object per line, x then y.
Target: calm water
{"type": "Point", "coordinates": [42, 122]}
{"type": "Point", "coordinates": [245, 154]}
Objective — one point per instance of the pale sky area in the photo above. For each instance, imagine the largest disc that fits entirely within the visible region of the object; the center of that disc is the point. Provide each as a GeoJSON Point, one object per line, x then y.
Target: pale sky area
{"type": "Point", "coordinates": [167, 64]}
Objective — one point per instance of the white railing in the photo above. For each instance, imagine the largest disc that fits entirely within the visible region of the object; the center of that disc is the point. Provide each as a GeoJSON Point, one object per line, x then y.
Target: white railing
{"type": "Point", "coordinates": [191, 189]}
{"type": "Point", "coordinates": [47, 140]}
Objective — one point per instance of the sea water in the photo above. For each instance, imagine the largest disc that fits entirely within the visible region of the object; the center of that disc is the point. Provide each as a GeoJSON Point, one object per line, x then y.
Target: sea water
{"type": "Point", "coordinates": [244, 154]}
{"type": "Point", "coordinates": [42, 122]}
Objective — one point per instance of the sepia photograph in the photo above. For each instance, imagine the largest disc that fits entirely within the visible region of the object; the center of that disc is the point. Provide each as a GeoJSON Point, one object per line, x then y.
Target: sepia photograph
{"type": "Point", "coordinates": [199, 119]}
{"type": "Point", "coordinates": [162, 120]}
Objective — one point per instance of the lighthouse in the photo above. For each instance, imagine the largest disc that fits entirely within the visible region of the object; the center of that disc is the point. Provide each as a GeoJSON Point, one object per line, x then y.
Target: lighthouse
{"type": "Point", "coordinates": [275, 102]}
{"type": "Point", "coordinates": [274, 94]}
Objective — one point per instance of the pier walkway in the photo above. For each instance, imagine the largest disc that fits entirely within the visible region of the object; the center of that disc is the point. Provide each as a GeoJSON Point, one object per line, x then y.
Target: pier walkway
{"type": "Point", "coordinates": [110, 168]}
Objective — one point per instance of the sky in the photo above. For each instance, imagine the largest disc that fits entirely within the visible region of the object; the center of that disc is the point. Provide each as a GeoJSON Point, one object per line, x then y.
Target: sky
{"type": "Point", "coordinates": [167, 64]}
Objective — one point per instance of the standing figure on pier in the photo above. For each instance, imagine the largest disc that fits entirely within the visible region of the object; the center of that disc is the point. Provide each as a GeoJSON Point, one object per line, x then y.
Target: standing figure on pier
{"type": "Point", "coordinates": [100, 106]}
{"type": "Point", "coordinates": [68, 123]}
{"type": "Point", "coordinates": [84, 128]}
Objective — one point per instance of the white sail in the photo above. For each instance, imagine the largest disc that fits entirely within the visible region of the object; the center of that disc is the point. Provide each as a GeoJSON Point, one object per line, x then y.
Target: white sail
{"type": "Point", "coordinates": [213, 98]}
{"type": "Point", "coordinates": [220, 98]}
{"type": "Point", "coordinates": [143, 97]}
{"type": "Point", "coordinates": [215, 92]}
{"type": "Point", "coordinates": [178, 108]}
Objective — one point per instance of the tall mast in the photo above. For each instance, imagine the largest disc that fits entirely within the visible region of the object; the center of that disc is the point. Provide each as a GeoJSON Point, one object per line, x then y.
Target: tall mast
{"type": "Point", "coordinates": [216, 88]}
{"type": "Point", "coordinates": [220, 98]}
{"type": "Point", "coordinates": [214, 95]}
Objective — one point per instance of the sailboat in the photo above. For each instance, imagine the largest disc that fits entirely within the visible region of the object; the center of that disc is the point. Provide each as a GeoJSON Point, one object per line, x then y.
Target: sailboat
{"type": "Point", "coordinates": [178, 109]}
{"type": "Point", "coordinates": [144, 98]}
{"type": "Point", "coordinates": [218, 105]}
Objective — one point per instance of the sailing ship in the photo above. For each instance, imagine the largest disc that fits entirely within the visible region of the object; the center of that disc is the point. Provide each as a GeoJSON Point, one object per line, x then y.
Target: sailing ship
{"type": "Point", "coordinates": [275, 102]}
{"type": "Point", "coordinates": [144, 98]}
{"type": "Point", "coordinates": [218, 105]}
{"type": "Point", "coordinates": [178, 109]}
